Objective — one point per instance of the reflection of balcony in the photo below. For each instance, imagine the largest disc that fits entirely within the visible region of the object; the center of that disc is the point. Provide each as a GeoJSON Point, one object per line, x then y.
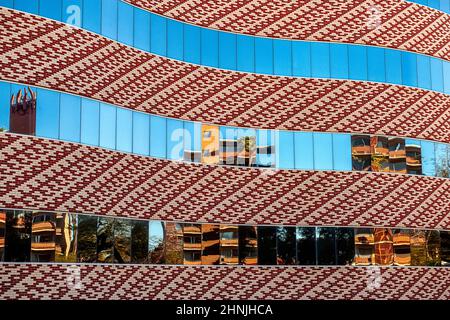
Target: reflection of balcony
{"type": "Point", "coordinates": [229, 242]}
{"type": "Point", "coordinates": [362, 239]}
{"type": "Point", "coordinates": [192, 263]}
{"type": "Point", "coordinates": [361, 150]}
{"type": "Point", "coordinates": [250, 261]}
{"type": "Point", "coordinates": [2, 242]}
{"type": "Point", "coordinates": [229, 260]}
{"type": "Point", "coordinates": [192, 246]}
{"type": "Point", "coordinates": [2, 218]}
{"type": "Point", "coordinates": [401, 239]}
{"type": "Point", "coordinates": [397, 154]}
{"type": "Point", "coordinates": [43, 226]}
{"type": "Point", "coordinates": [402, 259]}
{"type": "Point", "coordinates": [192, 230]}
{"type": "Point", "coordinates": [43, 246]}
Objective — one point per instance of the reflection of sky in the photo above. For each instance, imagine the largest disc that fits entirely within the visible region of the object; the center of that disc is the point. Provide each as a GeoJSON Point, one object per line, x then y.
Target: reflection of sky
{"type": "Point", "coordinates": [155, 230]}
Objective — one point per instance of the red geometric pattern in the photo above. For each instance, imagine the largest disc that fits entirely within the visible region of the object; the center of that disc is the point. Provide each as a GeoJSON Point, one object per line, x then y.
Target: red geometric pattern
{"type": "Point", "coordinates": [60, 176]}
{"type": "Point", "coordinates": [46, 53]}
{"type": "Point", "coordinates": [402, 24]}
{"type": "Point", "coordinates": [40, 281]}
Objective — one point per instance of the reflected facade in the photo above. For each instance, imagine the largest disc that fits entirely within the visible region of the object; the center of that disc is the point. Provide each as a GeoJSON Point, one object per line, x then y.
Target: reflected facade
{"type": "Point", "coordinates": [229, 244]}
{"type": "Point", "coordinates": [192, 243]}
{"type": "Point", "coordinates": [43, 236]}
{"type": "Point", "coordinates": [402, 247]}
{"type": "Point", "coordinates": [306, 245]}
{"type": "Point", "coordinates": [248, 245]}
{"type": "Point", "coordinates": [210, 244]}
{"type": "Point", "coordinates": [174, 243]}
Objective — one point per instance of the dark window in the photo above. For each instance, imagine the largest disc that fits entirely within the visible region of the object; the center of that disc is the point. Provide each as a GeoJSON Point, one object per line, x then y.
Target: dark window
{"type": "Point", "coordinates": [345, 243]}
{"type": "Point", "coordinates": [286, 246]}
{"type": "Point", "coordinates": [2, 234]}
{"type": "Point", "coordinates": [306, 245]}
{"type": "Point", "coordinates": [210, 244]}
{"type": "Point", "coordinates": [174, 243]}
{"type": "Point", "coordinates": [445, 248]}
{"type": "Point", "coordinates": [418, 247]}
{"type": "Point", "coordinates": [122, 241]}
{"type": "Point", "coordinates": [326, 246]}
{"type": "Point", "coordinates": [267, 245]}
{"type": "Point", "coordinates": [139, 242]}
{"type": "Point", "coordinates": [105, 239]}
{"type": "Point", "coordinates": [248, 245]}
{"type": "Point", "coordinates": [43, 234]}
{"type": "Point", "coordinates": [433, 248]}
{"type": "Point", "coordinates": [87, 238]}
{"type": "Point", "coordinates": [18, 236]}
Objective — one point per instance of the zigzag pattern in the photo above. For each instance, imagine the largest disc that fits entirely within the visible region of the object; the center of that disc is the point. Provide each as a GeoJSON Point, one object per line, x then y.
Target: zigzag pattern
{"type": "Point", "coordinates": [33, 281]}
{"type": "Point", "coordinates": [46, 53]}
{"type": "Point", "coordinates": [59, 176]}
{"type": "Point", "coordinates": [402, 25]}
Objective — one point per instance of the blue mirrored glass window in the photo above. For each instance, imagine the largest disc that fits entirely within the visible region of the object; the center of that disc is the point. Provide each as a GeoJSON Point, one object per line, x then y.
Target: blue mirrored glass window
{"type": "Point", "coordinates": [47, 114]}
{"type": "Point", "coordinates": [339, 61]}
{"type": "Point", "coordinates": [358, 66]}
{"type": "Point", "coordinates": [446, 72]}
{"type": "Point", "coordinates": [264, 55]}
{"type": "Point", "coordinates": [5, 95]}
{"type": "Point", "coordinates": [282, 57]}
{"type": "Point", "coordinates": [175, 40]}
{"type": "Point", "coordinates": [192, 44]}
{"type": "Point", "coordinates": [265, 140]}
{"type": "Point", "coordinates": [192, 136]}
{"type": "Point", "coordinates": [109, 19]}
{"type": "Point", "coordinates": [323, 151]}
{"type": "Point", "coordinates": [125, 24]}
{"type": "Point", "coordinates": [437, 76]}
{"type": "Point", "coordinates": [50, 9]}
{"type": "Point", "coordinates": [107, 126]}
{"type": "Point", "coordinates": [301, 59]}
{"type": "Point", "coordinates": [285, 150]}
{"type": "Point", "coordinates": [8, 3]}
{"type": "Point", "coordinates": [227, 50]}
{"type": "Point", "coordinates": [158, 35]}
{"type": "Point", "coordinates": [245, 53]}
{"type": "Point", "coordinates": [158, 127]}
{"type": "Point", "coordinates": [31, 6]}
{"type": "Point", "coordinates": [393, 66]}
{"type": "Point", "coordinates": [441, 154]}
{"type": "Point", "coordinates": [320, 60]}
{"type": "Point", "coordinates": [175, 139]}
{"type": "Point", "coordinates": [423, 72]}
{"type": "Point", "coordinates": [91, 19]}
{"type": "Point", "coordinates": [73, 12]}
{"type": "Point", "coordinates": [90, 122]}
{"type": "Point", "coordinates": [409, 69]}
{"type": "Point", "coordinates": [142, 30]}
{"type": "Point", "coordinates": [141, 133]}
{"type": "Point", "coordinates": [124, 130]}
{"type": "Point", "coordinates": [342, 152]}
{"type": "Point", "coordinates": [428, 158]}
{"type": "Point", "coordinates": [210, 47]}
{"type": "Point", "coordinates": [70, 118]}
{"type": "Point", "coordinates": [304, 150]}
{"type": "Point", "coordinates": [376, 64]}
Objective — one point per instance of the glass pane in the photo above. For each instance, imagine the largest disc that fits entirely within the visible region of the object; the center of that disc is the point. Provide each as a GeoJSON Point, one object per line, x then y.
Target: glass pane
{"type": "Point", "coordinates": [246, 147]}
{"type": "Point", "coordinates": [358, 66]}
{"type": "Point", "coordinates": [43, 233]}
{"type": "Point", "coordinates": [191, 44]}
{"type": "Point", "coordinates": [264, 55]}
{"type": "Point", "coordinates": [323, 151]}
{"type": "Point", "coordinates": [90, 122]}
{"type": "Point", "coordinates": [267, 245]}
{"type": "Point", "coordinates": [380, 154]}
{"type": "Point", "coordinates": [409, 68]}
{"type": "Point", "coordinates": [393, 66]}
{"type": "Point", "coordinates": [141, 133]}
{"type": "Point", "coordinates": [125, 23]}
{"type": "Point", "coordinates": [229, 244]}
{"type": "Point", "coordinates": [174, 243]}
{"type": "Point", "coordinates": [397, 155]}
{"type": "Point", "coordinates": [49, 9]}
{"type": "Point", "coordinates": [158, 34]}
{"type": "Point", "coordinates": [5, 89]}
{"type": "Point", "coordinates": [87, 239]}
{"type": "Point", "coordinates": [418, 248]}
{"type": "Point", "coordinates": [228, 145]}
{"type": "Point", "coordinates": [107, 126]}
{"type": "Point", "coordinates": [248, 245]}
{"type": "Point", "coordinates": [402, 247]}
{"type": "Point", "coordinates": [30, 6]}
{"type": "Point", "coordinates": [413, 156]}
{"type": "Point", "coordinates": [339, 61]}
{"type": "Point", "coordinates": [175, 139]}
{"type": "Point", "coordinates": [142, 30]}
{"type": "Point", "coordinates": [18, 236]}
{"type": "Point", "coordinates": [47, 114]}
{"type": "Point", "coordinates": [428, 159]}
{"type": "Point", "coordinates": [210, 144]}
{"type": "Point", "coordinates": [192, 243]}
{"type": "Point", "coordinates": [124, 130]}
{"type": "Point", "coordinates": [433, 248]}
{"type": "Point", "coordinates": [376, 64]}
{"type": "Point", "coordinates": [423, 72]}
{"type": "Point", "coordinates": [265, 148]}
{"type": "Point", "coordinates": [158, 137]}
{"type": "Point", "coordinates": [156, 242]}
{"type": "Point", "coordinates": [345, 245]}
{"type": "Point", "coordinates": [285, 149]}
{"type": "Point", "coordinates": [446, 71]}
{"type": "Point", "coordinates": [361, 153]}
{"type": "Point", "coordinates": [301, 59]}
{"type": "Point", "coordinates": [175, 40]}
{"type": "Point", "coordinates": [320, 60]}
{"type": "Point", "coordinates": [72, 10]}
{"type": "Point", "coordinates": [383, 244]}
{"type": "Point", "coordinates": [306, 245]}
{"type": "Point", "coordinates": [342, 152]}
{"type": "Point", "coordinates": [70, 118]}
{"type": "Point", "coordinates": [2, 234]}
{"type": "Point", "coordinates": [286, 246]}
{"type": "Point", "coordinates": [441, 160]}
{"type": "Point", "coordinates": [437, 76]}
{"type": "Point", "coordinates": [304, 150]}
{"type": "Point", "coordinates": [210, 48]}
{"type": "Point", "coordinates": [364, 247]}
{"type": "Point", "coordinates": [66, 237]}
{"type": "Point", "coordinates": [105, 239]}
{"type": "Point", "coordinates": [227, 50]}
{"type": "Point", "coordinates": [139, 242]}
{"type": "Point", "coordinates": [282, 57]}
{"type": "Point", "coordinates": [445, 248]}
{"type": "Point", "coordinates": [122, 241]}
{"type": "Point", "coordinates": [245, 53]}
{"type": "Point", "coordinates": [326, 246]}
{"type": "Point", "coordinates": [210, 244]}
{"type": "Point", "coordinates": [92, 10]}
{"type": "Point", "coordinates": [109, 19]}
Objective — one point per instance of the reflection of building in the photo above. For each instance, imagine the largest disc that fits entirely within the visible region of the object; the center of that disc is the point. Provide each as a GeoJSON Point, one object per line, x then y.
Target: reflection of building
{"type": "Point", "coordinates": [229, 244]}
{"type": "Point", "coordinates": [210, 244]}
{"type": "Point", "coordinates": [2, 233]}
{"type": "Point", "coordinates": [402, 247]}
{"type": "Point", "coordinates": [364, 247]}
{"type": "Point", "coordinates": [22, 116]}
{"type": "Point", "coordinates": [210, 144]}
{"type": "Point", "coordinates": [413, 159]}
{"type": "Point", "coordinates": [361, 152]}
{"type": "Point", "coordinates": [240, 151]}
{"type": "Point", "coordinates": [192, 243]}
{"type": "Point", "coordinates": [380, 154]}
{"type": "Point", "coordinates": [43, 236]}
{"type": "Point", "coordinates": [397, 155]}
{"type": "Point", "coordinates": [65, 235]}
{"type": "Point", "coordinates": [383, 246]}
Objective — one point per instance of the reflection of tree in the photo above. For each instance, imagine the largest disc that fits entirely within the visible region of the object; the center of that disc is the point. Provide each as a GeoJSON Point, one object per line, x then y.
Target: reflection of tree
{"type": "Point", "coordinates": [247, 143]}
{"type": "Point", "coordinates": [174, 244]}
{"type": "Point", "coordinates": [105, 232]}
{"type": "Point", "coordinates": [122, 241]}
{"type": "Point", "coordinates": [139, 243]}
{"type": "Point", "coordinates": [156, 250]}
{"type": "Point", "coordinates": [87, 239]}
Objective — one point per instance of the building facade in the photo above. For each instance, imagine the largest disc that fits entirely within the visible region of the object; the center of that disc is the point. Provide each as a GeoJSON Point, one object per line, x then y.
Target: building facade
{"type": "Point", "coordinates": [180, 149]}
